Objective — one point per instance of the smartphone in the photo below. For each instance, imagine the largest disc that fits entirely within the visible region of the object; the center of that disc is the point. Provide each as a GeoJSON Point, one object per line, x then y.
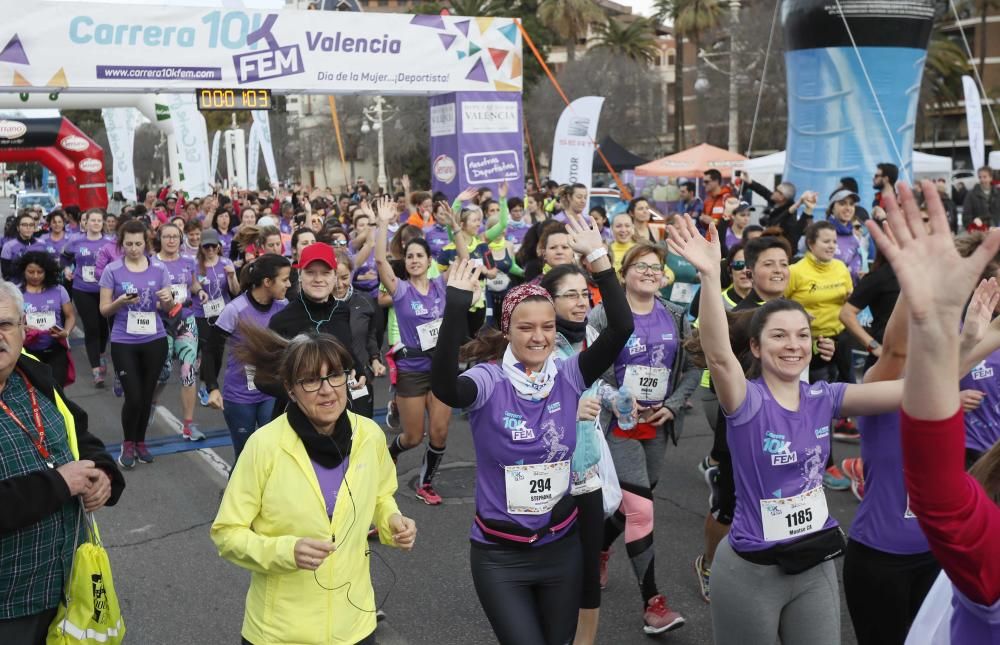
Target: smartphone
{"type": "Point", "coordinates": [739, 173]}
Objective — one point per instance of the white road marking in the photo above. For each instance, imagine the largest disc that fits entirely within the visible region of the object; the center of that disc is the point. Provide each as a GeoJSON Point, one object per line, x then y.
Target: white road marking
{"type": "Point", "coordinates": [212, 458]}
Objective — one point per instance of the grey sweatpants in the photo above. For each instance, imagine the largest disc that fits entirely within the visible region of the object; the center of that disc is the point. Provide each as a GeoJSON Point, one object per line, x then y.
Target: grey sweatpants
{"type": "Point", "coordinates": [754, 604]}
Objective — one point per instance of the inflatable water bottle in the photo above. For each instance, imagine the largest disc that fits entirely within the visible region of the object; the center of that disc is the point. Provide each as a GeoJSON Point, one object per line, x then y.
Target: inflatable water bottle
{"type": "Point", "coordinates": [852, 89]}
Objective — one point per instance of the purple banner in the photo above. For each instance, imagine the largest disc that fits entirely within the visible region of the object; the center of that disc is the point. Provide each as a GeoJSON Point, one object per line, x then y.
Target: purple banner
{"type": "Point", "coordinates": [476, 141]}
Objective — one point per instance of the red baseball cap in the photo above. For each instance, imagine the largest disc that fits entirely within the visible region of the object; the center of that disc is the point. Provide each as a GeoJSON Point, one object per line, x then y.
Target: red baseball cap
{"type": "Point", "coordinates": [317, 252]}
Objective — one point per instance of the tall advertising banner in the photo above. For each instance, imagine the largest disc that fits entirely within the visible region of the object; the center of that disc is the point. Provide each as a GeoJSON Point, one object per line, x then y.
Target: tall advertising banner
{"type": "Point", "coordinates": [253, 156]}
{"type": "Point", "coordinates": [974, 116]}
{"type": "Point", "coordinates": [575, 141]}
{"type": "Point", "coordinates": [476, 141]}
{"type": "Point", "coordinates": [81, 46]}
{"type": "Point", "coordinates": [214, 163]}
{"type": "Point", "coordinates": [849, 108]}
{"type": "Point", "coordinates": [120, 124]}
{"type": "Point", "coordinates": [263, 124]}
{"type": "Point", "coordinates": [192, 142]}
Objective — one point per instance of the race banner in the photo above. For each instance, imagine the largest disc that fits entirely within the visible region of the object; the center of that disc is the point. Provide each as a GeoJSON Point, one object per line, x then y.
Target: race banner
{"type": "Point", "coordinates": [192, 142]}
{"type": "Point", "coordinates": [81, 46]}
{"type": "Point", "coordinates": [120, 124]}
{"type": "Point", "coordinates": [974, 117]}
{"type": "Point", "coordinates": [263, 124]}
{"type": "Point", "coordinates": [253, 156]}
{"type": "Point", "coordinates": [575, 141]}
{"type": "Point", "coordinates": [476, 141]}
{"type": "Point", "coordinates": [214, 163]}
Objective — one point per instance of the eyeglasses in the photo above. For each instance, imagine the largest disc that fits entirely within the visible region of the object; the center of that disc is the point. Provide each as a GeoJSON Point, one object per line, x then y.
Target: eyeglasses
{"type": "Point", "coordinates": [857, 227]}
{"type": "Point", "coordinates": [170, 237]}
{"type": "Point", "coordinates": [339, 242]}
{"type": "Point", "coordinates": [574, 295]}
{"type": "Point", "coordinates": [335, 380]}
{"type": "Point", "coordinates": [645, 267]}
{"type": "Point", "coordinates": [738, 265]}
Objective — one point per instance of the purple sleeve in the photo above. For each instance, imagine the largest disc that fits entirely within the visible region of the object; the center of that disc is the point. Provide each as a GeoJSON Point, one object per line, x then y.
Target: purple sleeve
{"type": "Point", "coordinates": [750, 407]}
{"type": "Point", "coordinates": [485, 380]}
{"type": "Point", "coordinates": [570, 369]}
{"type": "Point", "coordinates": [107, 280]}
{"type": "Point", "coordinates": [401, 288]}
{"type": "Point", "coordinates": [227, 319]}
{"type": "Point", "coordinates": [836, 393]}
{"type": "Point", "coordinates": [7, 251]}
{"type": "Point", "coordinates": [63, 295]}
{"type": "Point", "coordinates": [164, 276]}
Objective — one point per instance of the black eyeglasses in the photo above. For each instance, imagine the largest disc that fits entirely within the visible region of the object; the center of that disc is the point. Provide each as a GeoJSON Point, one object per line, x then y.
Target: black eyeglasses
{"type": "Point", "coordinates": [335, 380]}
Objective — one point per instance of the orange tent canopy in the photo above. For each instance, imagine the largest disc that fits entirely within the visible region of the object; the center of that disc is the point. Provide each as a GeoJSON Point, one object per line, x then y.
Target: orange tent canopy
{"type": "Point", "coordinates": [693, 162]}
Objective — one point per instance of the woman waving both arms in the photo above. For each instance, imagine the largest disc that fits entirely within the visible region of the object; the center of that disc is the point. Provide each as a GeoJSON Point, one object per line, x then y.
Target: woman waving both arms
{"type": "Point", "coordinates": [419, 303]}
{"type": "Point", "coordinates": [775, 575]}
{"type": "Point", "coordinates": [526, 552]}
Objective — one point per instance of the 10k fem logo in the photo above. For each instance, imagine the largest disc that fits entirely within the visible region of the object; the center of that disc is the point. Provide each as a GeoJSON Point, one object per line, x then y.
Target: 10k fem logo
{"type": "Point", "coordinates": [273, 62]}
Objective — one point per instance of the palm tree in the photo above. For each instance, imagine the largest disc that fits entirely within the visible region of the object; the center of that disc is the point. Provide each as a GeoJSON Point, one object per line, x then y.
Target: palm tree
{"type": "Point", "coordinates": [570, 20]}
{"type": "Point", "coordinates": [691, 19]}
{"type": "Point", "coordinates": [636, 40]}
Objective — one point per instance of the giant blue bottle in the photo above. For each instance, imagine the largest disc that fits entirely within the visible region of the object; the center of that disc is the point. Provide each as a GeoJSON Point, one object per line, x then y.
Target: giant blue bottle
{"type": "Point", "coordinates": [834, 125]}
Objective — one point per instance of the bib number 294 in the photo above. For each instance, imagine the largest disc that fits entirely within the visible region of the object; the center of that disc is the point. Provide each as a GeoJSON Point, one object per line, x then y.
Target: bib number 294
{"type": "Point", "coordinates": [541, 485]}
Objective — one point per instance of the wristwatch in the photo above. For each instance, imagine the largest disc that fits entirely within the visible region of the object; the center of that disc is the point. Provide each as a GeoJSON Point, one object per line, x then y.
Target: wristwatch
{"type": "Point", "coordinates": [873, 345]}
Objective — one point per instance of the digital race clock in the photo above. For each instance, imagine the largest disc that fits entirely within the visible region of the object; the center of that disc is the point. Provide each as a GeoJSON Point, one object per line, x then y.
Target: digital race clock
{"type": "Point", "coordinates": [238, 99]}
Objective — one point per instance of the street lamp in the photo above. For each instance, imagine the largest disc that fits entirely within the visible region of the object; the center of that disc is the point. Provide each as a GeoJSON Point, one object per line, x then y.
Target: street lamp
{"type": "Point", "coordinates": [378, 114]}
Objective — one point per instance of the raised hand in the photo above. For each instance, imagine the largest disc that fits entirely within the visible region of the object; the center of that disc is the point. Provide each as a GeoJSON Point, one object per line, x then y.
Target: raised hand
{"type": "Point", "coordinates": [687, 242]}
{"type": "Point", "coordinates": [504, 189]}
{"type": "Point", "coordinates": [467, 194]}
{"type": "Point", "coordinates": [932, 276]}
{"type": "Point", "coordinates": [386, 207]}
{"type": "Point", "coordinates": [979, 313]}
{"type": "Point", "coordinates": [463, 275]}
{"type": "Point", "coordinates": [582, 238]}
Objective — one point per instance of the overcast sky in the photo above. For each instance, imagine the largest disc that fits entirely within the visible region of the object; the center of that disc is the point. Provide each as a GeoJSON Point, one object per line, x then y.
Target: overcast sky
{"type": "Point", "coordinates": [645, 7]}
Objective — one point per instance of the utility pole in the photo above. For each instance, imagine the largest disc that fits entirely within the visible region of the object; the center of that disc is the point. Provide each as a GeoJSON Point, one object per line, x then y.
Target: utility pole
{"type": "Point", "coordinates": [734, 122]}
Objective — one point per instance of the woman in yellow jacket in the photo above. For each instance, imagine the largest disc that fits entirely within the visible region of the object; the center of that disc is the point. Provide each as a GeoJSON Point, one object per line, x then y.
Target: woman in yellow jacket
{"type": "Point", "coordinates": [297, 509]}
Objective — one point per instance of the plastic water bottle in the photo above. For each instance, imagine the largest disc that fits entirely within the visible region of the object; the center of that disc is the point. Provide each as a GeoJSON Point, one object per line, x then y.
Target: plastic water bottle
{"type": "Point", "coordinates": [623, 408]}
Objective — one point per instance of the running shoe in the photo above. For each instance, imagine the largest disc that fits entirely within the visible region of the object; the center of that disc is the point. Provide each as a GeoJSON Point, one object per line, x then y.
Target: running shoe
{"type": "Point", "coordinates": [142, 453]}
{"type": "Point", "coordinates": [659, 618]}
{"type": "Point", "coordinates": [117, 387]}
{"type": "Point", "coordinates": [703, 574]}
{"type": "Point", "coordinates": [192, 433]}
{"type": "Point", "coordinates": [858, 489]}
{"type": "Point", "coordinates": [835, 479]}
{"type": "Point", "coordinates": [853, 467]}
{"type": "Point", "coordinates": [98, 378]}
{"type": "Point", "coordinates": [705, 464]}
{"type": "Point", "coordinates": [712, 479]}
{"type": "Point", "coordinates": [605, 556]}
{"type": "Point", "coordinates": [845, 430]}
{"type": "Point", "coordinates": [379, 615]}
{"type": "Point", "coordinates": [428, 495]}
{"type": "Point", "coordinates": [203, 396]}
{"type": "Point", "coordinates": [127, 458]}
{"type": "Point", "coordinates": [392, 415]}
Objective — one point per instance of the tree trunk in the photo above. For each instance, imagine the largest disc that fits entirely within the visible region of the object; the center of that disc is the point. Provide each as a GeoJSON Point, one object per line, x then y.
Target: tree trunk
{"type": "Point", "coordinates": [679, 95]}
{"type": "Point", "coordinates": [571, 49]}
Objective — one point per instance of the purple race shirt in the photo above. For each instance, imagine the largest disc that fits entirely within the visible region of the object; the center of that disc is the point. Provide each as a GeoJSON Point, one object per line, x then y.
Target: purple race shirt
{"type": "Point", "coordinates": [37, 305]}
{"type": "Point", "coordinates": [884, 521]}
{"type": "Point", "coordinates": [330, 481]}
{"type": "Point", "coordinates": [982, 425]}
{"type": "Point", "coordinates": [367, 267]}
{"type": "Point", "coordinates": [437, 238]}
{"type": "Point", "coordinates": [120, 279]}
{"type": "Point", "coordinates": [84, 252]}
{"type": "Point", "coordinates": [645, 362]}
{"type": "Point", "coordinates": [972, 622]}
{"type": "Point", "coordinates": [181, 273]}
{"type": "Point", "coordinates": [216, 285]}
{"type": "Point", "coordinates": [849, 252]}
{"type": "Point", "coordinates": [14, 248]}
{"type": "Point", "coordinates": [54, 248]}
{"type": "Point", "coordinates": [778, 453]}
{"type": "Point", "coordinates": [516, 232]}
{"type": "Point", "coordinates": [226, 239]}
{"type": "Point", "coordinates": [238, 386]}
{"type": "Point", "coordinates": [512, 431]}
{"type": "Point", "coordinates": [414, 309]}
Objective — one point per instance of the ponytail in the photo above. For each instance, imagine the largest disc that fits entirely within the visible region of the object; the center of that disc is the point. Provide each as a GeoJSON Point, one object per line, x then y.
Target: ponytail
{"type": "Point", "coordinates": [264, 267]}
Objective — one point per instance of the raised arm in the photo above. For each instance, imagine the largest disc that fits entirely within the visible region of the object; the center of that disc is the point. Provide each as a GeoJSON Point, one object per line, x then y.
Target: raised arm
{"type": "Point", "coordinates": [500, 228]}
{"type": "Point", "coordinates": [706, 256]}
{"type": "Point", "coordinates": [386, 213]}
{"type": "Point", "coordinates": [446, 384]}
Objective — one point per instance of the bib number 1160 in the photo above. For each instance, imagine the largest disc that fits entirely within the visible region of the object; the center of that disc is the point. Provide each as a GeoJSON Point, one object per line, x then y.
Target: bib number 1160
{"type": "Point", "coordinates": [799, 517]}
{"type": "Point", "coordinates": [541, 485]}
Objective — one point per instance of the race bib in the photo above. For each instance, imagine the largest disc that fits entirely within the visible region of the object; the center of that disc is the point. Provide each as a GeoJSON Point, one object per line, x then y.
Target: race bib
{"type": "Point", "coordinates": [647, 383]}
{"type": "Point", "coordinates": [498, 283]}
{"type": "Point", "coordinates": [535, 489]}
{"type": "Point", "coordinates": [428, 333]}
{"type": "Point", "coordinates": [141, 323]}
{"type": "Point", "coordinates": [180, 292]}
{"type": "Point", "coordinates": [43, 320]}
{"type": "Point", "coordinates": [214, 307]}
{"type": "Point", "coordinates": [682, 292]}
{"type": "Point", "coordinates": [791, 517]}
{"type": "Point", "coordinates": [89, 273]}
{"type": "Point", "coordinates": [251, 372]}
{"type": "Point", "coordinates": [357, 392]}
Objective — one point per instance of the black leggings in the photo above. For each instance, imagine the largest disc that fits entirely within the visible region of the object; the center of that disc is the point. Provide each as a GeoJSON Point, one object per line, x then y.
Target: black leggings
{"type": "Point", "coordinates": [95, 326]}
{"type": "Point", "coordinates": [57, 358]}
{"type": "Point", "coordinates": [884, 591]}
{"type": "Point", "coordinates": [138, 366]}
{"type": "Point", "coordinates": [591, 523]}
{"type": "Point", "coordinates": [530, 595]}
{"type": "Point", "coordinates": [204, 336]}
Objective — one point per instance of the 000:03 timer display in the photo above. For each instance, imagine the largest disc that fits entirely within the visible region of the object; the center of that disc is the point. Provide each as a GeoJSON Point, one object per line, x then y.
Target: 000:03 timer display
{"type": "Point", "coordinates": [240, 99]}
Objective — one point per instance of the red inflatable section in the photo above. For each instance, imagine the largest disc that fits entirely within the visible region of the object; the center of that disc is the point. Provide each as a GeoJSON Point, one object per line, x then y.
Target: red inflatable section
{"type": "Point", "coordinates": [60, 165]}
{"type": "Point", "coordinates": [88, 158]}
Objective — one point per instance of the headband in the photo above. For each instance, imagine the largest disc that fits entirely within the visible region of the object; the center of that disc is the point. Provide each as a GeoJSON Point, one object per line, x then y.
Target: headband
{"type": "Point", "coordinates": [515, 296]}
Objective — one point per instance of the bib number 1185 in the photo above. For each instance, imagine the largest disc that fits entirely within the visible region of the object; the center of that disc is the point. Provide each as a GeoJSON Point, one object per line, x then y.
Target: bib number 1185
{"type": "Point", "coordinates": [799, 517]}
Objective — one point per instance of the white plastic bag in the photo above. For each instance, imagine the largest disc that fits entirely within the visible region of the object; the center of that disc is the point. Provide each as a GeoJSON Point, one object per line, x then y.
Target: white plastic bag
{"type": "Point", "coordinates": [612, 492]}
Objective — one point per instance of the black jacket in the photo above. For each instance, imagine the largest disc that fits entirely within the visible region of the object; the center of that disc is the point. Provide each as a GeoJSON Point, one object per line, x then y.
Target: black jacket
{"type": "Point", "coordinates": [27, 499]}
{"type": "Point", "coordinates": [978, 204]}
{"type": "Point", "coordinates": [781, 216]}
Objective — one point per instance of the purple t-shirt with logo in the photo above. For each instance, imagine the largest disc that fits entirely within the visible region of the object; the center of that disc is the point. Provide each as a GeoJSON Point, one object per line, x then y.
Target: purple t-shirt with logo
{"type": "Point", "coordinates": [120, 279]}
{"type": "Point", "coordinates": [884, 521]}
{"type": "Point", "coordinates": [54, 248]}
{"type": "Point", "coordinates": [330, 480]}
{"type": "Point", "coordinates": [511, 431]}
{"type": "Point", "coordinates": [216, 285]}
{"type": "Point", "coordinates": [515, 232]}
{"type": "Point", "coordinates": [51, 299]}
{"type": "Point", "coordinates": [14, 248]}
{"type": "Point", "coordinates": [651, 349]}
{"type": "Point", "coordinates": [982, 425]}
{"type": "Point", "coordinates": [437, 238]}
{"type": "Point", "coordinates": [778, 453]}
{"type": "Point", "coordinates": [414, 309]}
{"type": "Point", "coordinates": [849, 252]}
{"type": "Point", "coordinates": [84, 252]}
{"type": "Point", "coordinates": [182, 272]}
{"type": "Point", "coordinates": [226, 240]}
{"type": "Point", "coordinates": [239, 377]}
{"type": "Point", "coordinates": [367, 286]}
{"type": "Point", "coordinates": [972, 622]}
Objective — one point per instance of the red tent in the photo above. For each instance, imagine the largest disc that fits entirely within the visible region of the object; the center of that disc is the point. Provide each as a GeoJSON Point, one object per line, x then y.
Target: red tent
{"type": "Point", "coordinates": [693, 162]}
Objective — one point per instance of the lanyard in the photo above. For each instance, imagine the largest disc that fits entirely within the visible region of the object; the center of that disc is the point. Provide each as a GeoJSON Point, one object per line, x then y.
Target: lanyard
{"type": "Point", "coordinates": [36, 412]}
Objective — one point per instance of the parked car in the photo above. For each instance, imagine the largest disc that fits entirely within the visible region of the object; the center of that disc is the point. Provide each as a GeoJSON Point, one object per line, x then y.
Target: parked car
{"type": "Point", "coordinates": [26, 199]}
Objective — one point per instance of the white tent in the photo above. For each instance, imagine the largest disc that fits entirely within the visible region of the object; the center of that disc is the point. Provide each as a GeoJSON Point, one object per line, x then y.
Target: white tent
{"type": "Point", "coordinates": [925, 166]}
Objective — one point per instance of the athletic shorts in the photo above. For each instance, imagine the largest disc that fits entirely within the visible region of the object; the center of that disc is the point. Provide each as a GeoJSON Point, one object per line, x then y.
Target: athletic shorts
{"type": "Point", "coordinates": [184, 349]}
{"type": "Point", "coordinates": [412, 384]}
